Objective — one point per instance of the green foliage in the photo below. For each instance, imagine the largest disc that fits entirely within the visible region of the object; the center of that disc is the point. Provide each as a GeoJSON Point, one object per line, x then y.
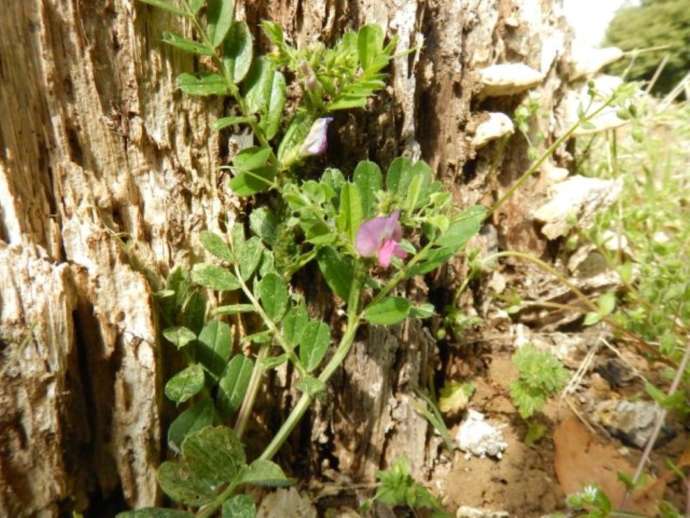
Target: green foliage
{"type": "Point", "coordinates": [653, 23]}
{"type": "Point", "coordinates": [541, 376]}
{"type": "Point", "coordinates": [652, 220]}
{"type": "Point", "coordinates": [593, 501]}
{"type": "Point", "coordinates": [397, 488]}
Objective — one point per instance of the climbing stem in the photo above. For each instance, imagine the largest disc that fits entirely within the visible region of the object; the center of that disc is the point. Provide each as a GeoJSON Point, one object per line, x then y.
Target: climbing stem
{"type": "Point", "coordinates": [229, 83]}
{"type": "Point", "coordinates": [252, 390]}
{"type": "Point", "coordinates": [546, 154]}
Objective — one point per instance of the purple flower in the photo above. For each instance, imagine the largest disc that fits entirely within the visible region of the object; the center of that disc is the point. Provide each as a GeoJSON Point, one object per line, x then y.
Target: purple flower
{"type": "Point", "coordinates": [380, 237]}
{"type": "Point", "coordinates": [317, 139]}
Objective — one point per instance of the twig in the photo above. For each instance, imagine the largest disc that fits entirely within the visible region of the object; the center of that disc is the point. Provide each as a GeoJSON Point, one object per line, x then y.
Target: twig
{"type": "Point", "coordinates": [657, 73]}
{"type": "Point", "coordinates": [660, 420]}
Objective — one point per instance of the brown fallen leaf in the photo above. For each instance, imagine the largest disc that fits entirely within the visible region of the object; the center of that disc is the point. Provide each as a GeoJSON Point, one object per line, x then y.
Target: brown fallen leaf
{"type": "Point", "coordinates": [582, 459]}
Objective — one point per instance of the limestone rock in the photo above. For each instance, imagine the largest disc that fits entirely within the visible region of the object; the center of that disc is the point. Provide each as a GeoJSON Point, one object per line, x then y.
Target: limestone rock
{"type": "Point", "coordinates": [478, 437]}
{"type": "Point", "coordinates": [576, 199]}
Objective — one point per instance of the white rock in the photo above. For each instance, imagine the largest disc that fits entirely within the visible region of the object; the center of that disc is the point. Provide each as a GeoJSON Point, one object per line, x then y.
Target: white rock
{"type": "Point", "coordinates": [661, 237]}
{"type": "Point", "coordinates": [496, 126]}
{"type": "Point", "coordinates": [615, 242]}
{"type": "Point", "coordinates": [472, 512]}
{"type": "Point", "coordinates": [586, 62]}
{"type": "Point", "coordinates": [575, 200]}
{"type": "Point", "coordinates": [508, 79]}
{"type": "Point", "coordinates": [477, 437]}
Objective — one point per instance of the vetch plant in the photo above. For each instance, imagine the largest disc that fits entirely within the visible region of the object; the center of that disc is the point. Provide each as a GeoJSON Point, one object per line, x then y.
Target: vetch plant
{"type": "Point", "coordinates": [336, 223]}
{"type": "Point", "coordinates": [366, 232]}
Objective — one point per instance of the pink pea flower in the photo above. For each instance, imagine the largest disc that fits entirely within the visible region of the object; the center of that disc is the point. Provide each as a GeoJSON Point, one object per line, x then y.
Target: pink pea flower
{"type": "Point", "coordinates": [380, 237]}
{"type": "Point", "coordinates": [317, 139]}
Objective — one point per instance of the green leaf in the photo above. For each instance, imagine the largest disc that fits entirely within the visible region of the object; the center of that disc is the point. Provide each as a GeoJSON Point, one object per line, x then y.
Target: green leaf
{"type": "Point", "coordinates": [369, 181]}
{"type": "Point", "coordinates": [233, 309]}
{"type": "Point", "coordinates": [311, 386]}
{"type": "Point", "coordinates": [422, 311]}
{"type": "Point", "coordinates": [273, 362]}
{"type": "Point", "coordinates": [186, 45]}
{"type": "Point", "coordinates": [395, 172]}
{"type": "Point", "coordinates": [264, 473]}
{"type": "Point", "coordinates": [214, 277]}
{"type": "Point", "coordinates": [180, 483]}
{"type": "Point", "coordinates": [220, 17]}
{"type": "Point", "coordinates": [334, 179]}
{"type": "Point", "coordinates": [199, 415]}
{"type": "Point", "coordinates": [314, 343]}
{"type": "Point", "coordinates": [166, 6]}
{"type": "Point", "coordinates": [178, 281]}
{"type": "Point", "coordinates": [294, 324]}
{"type": "Point", "coordinates": [155, 512]}
{"type": "Point", "coordinates": [463, 228]}
{"type": "Point", "coordinates": [194, 311]}
{"type": "Point", "coordinates": [337, 270]}
{"type": "Point", "coordinates": [224, 122]}
{"type": "Point", "coordinates": [255, 170]}
{"type": "Point", "coordinates": [216, 245]}
{"type": "Point", "coordinates": [350, 216]}
{"type": "Point", "coordinates": [238, 51]}
{"type": "Point", "coordinates": [591, 319]}
{"type": "Point", "coordinates": [185, 384]}
{"type": "Point", "coordinates": [270, 121]}
{"type": "Point", "coordinates": [207, 84]}
{"type": "Point", "coordinates": [252, 158]}
{"type": "Point", "coordinates": [179, 336]}
{"type": "Point", "coordinates": [258, 85]}
{"type": "Point", "coordinates": [239, 506]}
{"type": "Point", "coordinates": [233, 385]}
{"type": "Point", "coordinates": [607, 303]}
{"type": "Point", "coordinates": [264, 224]}
{"type": "Point", "coordinates": [417, 187]}
{"type": "Point", "coordinates": [369, 45]}
{"type": "Point", "coordinates": [389, 311]}
{"type": "Point", "coordinates": [214, 453]}
{"type": "Point", "coordinates": [249, 256]}
{"type": "Point", "coordinates": [273, 293]}
{"type": "Point", "coordinates": [410, 182]}
{"type": "Point", "coordinates": [274, 32]}
{"type": "Point", "coordinates": [215, 344]}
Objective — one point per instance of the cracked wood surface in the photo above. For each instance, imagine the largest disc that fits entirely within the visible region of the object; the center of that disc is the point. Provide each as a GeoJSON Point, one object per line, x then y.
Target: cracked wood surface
{"type": "Point", "coordinates": [107, 176]}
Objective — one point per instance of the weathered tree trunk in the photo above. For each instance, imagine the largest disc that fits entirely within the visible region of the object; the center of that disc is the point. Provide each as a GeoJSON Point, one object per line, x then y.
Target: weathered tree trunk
{"type": "Point", "coordinates": [107, 175]}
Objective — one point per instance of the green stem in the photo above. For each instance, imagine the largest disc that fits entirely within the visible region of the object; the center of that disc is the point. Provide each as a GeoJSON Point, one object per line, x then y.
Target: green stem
{"type": "Point", "coordinates": [252, 390]}
{"type": "Point", "coordinates": [272, 327]}
{"type": "Point", "coordinates": [354, 320]}
{"type": "Point", "coordinates": [578, 293]}
{"type": "Point", "coordinates": [212, 507]}
{"type": "Point", "coordinates": [232, 87]}
{"type": "Point", "coordinates": [305, 400]}
{"type": "Point", "coordinates": [545, 155]}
